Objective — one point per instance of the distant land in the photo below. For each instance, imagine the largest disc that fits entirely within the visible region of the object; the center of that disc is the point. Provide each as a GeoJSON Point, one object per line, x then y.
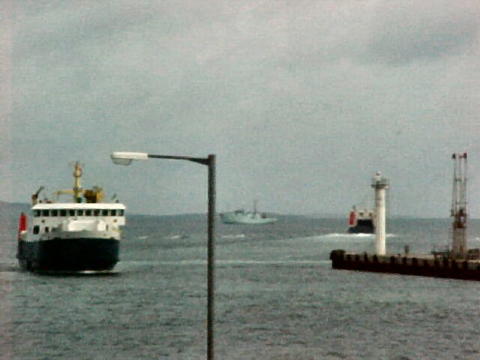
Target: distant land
{"type": "Point", "coordinates": [345, 216]}
{"type": "Point", "coordinates": [17, 208]}
{"type": "Point", "coordinates": [13, 207]}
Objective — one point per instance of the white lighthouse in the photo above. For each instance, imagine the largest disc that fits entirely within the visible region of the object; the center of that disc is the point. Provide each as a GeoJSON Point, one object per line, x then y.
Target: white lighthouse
{"type": "Point", "coordinates": [380, 185]}
{"type": "Point", "coordinates": [459, 206]}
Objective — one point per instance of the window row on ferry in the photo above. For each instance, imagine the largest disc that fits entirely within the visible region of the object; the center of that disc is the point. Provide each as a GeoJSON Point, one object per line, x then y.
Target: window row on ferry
{"type": "Point", "coordinates": [79, 212]}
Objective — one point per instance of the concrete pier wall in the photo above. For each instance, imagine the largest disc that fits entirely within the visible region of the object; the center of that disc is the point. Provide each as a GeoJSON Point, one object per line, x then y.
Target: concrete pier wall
{"type": "Point", "coordinates": [421, 265]}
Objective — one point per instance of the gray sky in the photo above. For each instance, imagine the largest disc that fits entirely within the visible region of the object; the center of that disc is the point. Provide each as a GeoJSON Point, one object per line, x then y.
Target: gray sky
{"type": "Point", "coordinates": [301, 101]}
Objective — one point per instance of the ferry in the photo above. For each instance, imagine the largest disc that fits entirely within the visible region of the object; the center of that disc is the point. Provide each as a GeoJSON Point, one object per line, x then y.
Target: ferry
{"type": "Point", "coordinates": [361, 221]}
{"type": "Point", "coordinates": [82, 235]}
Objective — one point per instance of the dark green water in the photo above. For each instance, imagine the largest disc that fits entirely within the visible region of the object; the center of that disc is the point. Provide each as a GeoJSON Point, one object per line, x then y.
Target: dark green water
{"type": "Point", "coordinates": [277, 297]}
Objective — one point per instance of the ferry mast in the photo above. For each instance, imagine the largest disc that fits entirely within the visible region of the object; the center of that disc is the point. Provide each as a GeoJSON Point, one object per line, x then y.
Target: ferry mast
{"type": "Point", "coordinates": [77, 187]}
{"type": "Point", "coordinates": [459, 206]}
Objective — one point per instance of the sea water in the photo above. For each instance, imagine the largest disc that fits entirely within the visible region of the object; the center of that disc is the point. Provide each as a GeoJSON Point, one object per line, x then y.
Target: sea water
{"type": "Point", "coordinates": [276, 297]}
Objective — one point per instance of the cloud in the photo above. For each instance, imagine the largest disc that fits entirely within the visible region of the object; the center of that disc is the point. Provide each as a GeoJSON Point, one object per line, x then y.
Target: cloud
{"type": "Point", "coordinates": [301, 101]}
{"type": "Point", "coordinates": [411, 31]}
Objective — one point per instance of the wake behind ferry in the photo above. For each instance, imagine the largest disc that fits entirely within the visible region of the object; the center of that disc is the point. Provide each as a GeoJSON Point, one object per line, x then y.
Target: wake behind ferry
{"type": "Point", "coordinates": [78, 236]}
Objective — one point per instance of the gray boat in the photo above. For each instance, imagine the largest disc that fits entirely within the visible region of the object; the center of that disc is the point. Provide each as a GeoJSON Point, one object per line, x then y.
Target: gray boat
{"type": "Point", "coordinates": [242, 216]}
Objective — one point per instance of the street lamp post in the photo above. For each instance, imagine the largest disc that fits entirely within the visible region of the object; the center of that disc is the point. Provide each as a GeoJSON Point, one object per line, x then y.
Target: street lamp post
{"type": "Point", "coordinates": [125, 158]}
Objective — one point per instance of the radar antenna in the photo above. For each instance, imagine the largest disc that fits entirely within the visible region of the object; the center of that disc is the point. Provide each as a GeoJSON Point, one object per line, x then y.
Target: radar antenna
{"type": "Point", "coordinates": [35, 195]}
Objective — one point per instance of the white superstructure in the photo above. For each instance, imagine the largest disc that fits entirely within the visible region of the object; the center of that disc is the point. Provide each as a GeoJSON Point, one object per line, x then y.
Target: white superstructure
{"type": "Point", "coordinates": [69, 220]}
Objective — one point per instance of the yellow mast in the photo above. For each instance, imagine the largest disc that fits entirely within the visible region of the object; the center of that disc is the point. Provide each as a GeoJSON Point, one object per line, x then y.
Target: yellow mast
{"type": "Point", "coordinates": [77, 187]}
{"type": "Point", "coordinates": [93, 195]}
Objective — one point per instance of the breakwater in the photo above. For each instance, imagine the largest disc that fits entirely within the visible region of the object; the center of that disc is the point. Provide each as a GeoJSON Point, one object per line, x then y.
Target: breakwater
{"type": "Point", "coordinates": [420, 265]}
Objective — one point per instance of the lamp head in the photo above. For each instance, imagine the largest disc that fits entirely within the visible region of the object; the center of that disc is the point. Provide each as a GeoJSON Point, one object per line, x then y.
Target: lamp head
{"type": "Point", "coordinates": [125, 158]}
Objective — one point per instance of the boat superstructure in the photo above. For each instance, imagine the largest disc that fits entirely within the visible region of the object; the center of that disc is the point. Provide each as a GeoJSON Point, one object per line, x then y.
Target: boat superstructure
{"type": "Point", "coordinates": [76, 236]}
{"type": "Point", "coordinates": [361, 221]}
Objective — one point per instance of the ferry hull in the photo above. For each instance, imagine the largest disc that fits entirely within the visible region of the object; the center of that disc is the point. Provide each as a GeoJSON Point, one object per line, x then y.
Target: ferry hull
{"type": "Point", "coordinates": [68, 255]}
{"type": "Point", "coordinates": [362, 227]}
